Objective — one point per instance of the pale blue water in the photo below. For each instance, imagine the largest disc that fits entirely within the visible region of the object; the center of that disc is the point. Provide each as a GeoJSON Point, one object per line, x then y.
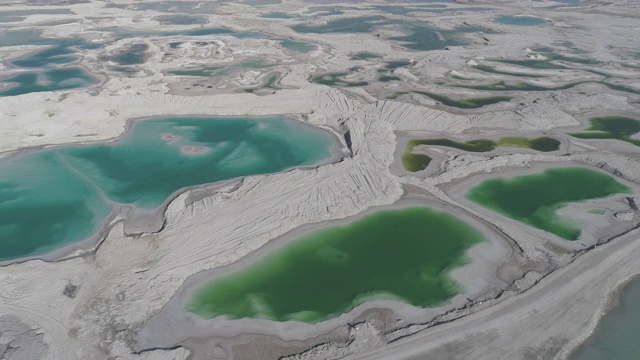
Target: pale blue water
{"type": "Point", "coordinates": [617, 335]}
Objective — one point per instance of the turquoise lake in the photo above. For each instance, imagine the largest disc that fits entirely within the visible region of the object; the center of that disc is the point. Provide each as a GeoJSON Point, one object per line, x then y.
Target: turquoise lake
{"type": "Point", "coordinates": [522, 20]}
{"type": "Point", "coordinates": [44, 68]}
{"type": "Point", "coordinates": [53, 197]}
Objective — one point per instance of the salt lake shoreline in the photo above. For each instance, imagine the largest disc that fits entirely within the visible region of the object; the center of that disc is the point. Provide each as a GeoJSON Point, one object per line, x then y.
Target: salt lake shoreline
{"type": "Point", "coordinates": [152, 220]}
{"type": "Point", "coordinates": [484, 260]}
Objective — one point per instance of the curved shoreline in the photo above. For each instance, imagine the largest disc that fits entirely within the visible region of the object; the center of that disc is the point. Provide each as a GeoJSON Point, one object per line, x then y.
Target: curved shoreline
{"type": "Point", "coordinates": [155, 217]}
{"type": "Point", "coordinates": [609, 304]}
{"type": "Point", "coordinates": [476, 277]}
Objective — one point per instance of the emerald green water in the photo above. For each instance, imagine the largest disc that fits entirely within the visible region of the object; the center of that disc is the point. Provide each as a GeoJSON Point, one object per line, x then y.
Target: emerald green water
{"type": "Point", "coordinates": [519, 20]}
{"type": "Point", "coordinates": [471, 103]}
{"type": "Point", "coordinates": [53, 197]}
{"type": "Point", "coordinates": [533, 199]}
{"type": "Point", "coordinates": [611, 127]}
{"type": "Point", "coordinates": [403, 255]}
{"type": "Point", "coordinates": [417, 162]}
{"type": "Point", "coordinates": [616, 337]}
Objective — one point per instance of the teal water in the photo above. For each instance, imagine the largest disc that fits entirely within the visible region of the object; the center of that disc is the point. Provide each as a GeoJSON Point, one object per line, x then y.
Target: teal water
{"type": "Point", "coordinates": [52, 197]}
{"type": "Point", "coordinates": [277, 15]}
{"type": "Point", "coordinates": [19, 15]}
{"type": "Point", "coordinates": [218, 70]}
{"type": "Point", "coordinates": [48, 80]}
{"type": "Point", "coordinates": [297, 46]}
{"type": "Point", "coordinates": [60, 53]}
{"type": "Point", "coordinates": [419, 36]}
{"type": "Point", "coordinates": [402, 254]}
{"type": "Point", "coordinates": [616, 337]}
{"type": "Point", "coordinates": [46, 73]}
{"type": "Point", "coordinates": [519, 20]}
{"type": "Point", "coordinates": [533, 199]}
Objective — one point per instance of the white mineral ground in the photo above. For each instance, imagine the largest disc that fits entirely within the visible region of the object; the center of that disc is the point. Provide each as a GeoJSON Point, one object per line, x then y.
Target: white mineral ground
{"type": "Point", "coordinates": [550, 297]}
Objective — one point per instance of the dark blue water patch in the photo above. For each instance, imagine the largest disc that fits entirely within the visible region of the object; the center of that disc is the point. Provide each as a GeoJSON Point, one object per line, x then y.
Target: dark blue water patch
{"type": "Point", "coordinates": [48, 80]}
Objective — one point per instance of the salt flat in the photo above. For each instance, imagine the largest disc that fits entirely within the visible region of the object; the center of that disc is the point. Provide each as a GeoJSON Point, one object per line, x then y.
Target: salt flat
{"type": "Point", "coordinates": [114, 297]}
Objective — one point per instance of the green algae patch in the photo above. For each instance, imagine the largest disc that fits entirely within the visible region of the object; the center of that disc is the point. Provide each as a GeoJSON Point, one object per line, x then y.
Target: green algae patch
{"type": "Point", "coordinates": [534, 199]}
{"type": "Point", "coordinates": [417, 162]}
{"type": "Point", "coordinates": [472, 103]}
{"type": "Point", "coordinates": [414, 162]}
{"type": "Point", "coordinates": [53, 197]}
{"type": "Point", "coordinates": [611, 127]}
{"type": "Point", "coordinates": [402, 255]}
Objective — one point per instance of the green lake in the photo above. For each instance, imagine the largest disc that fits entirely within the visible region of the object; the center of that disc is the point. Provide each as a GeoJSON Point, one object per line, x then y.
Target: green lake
{"type": "Point", "coordinates": [53, 197]}
{"type": "Point", "coordinates": [417, 162]}
{"type": "Point", "coordinates": [611, 127]}
{"type": "Point", "coordinates": [533, 199]}
{"type": "Point", "coordinates": [402, 254]}
{"type": "Point", "coordinates": [617, 334]}
{"type": "Point", "coordinates": [470, 103]}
